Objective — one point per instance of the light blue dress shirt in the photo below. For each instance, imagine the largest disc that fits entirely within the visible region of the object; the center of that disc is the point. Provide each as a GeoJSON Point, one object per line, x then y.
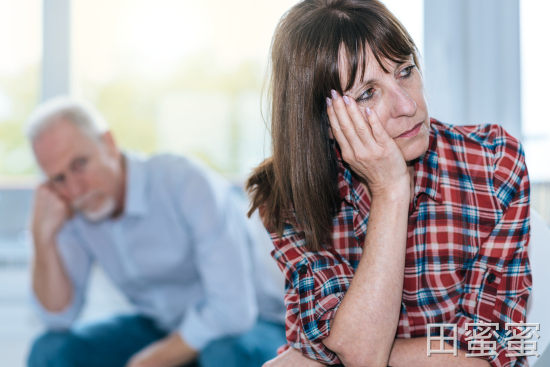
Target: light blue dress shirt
{"type": "Point", "coordinates": [183, 253]}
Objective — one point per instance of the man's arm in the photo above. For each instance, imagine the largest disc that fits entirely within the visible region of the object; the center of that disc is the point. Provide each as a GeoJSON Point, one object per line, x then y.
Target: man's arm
{"type": "Point", "coordinates": [170, 351]}
{"type": "Point", "coordinates": [61, 267]}
{"type": "Point", "coordinates": [49, 278]}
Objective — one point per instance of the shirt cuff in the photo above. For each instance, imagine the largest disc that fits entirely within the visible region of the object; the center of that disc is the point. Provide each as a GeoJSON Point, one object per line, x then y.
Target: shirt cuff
{"type": "Point", "coordinates": [195, 332]}
{"type": "Point", "coordinates": [498, 360]}
{"type": "Point", "coordinates": [57, 320]}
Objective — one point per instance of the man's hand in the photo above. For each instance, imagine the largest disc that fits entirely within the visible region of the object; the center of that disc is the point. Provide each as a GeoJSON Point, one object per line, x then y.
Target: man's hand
{"type": "Point", "coordinates": [168, 352]}
{"type": "Point", "coordinates": [49, 214]}
{"type": "Point", "coordinates": [292, 358]}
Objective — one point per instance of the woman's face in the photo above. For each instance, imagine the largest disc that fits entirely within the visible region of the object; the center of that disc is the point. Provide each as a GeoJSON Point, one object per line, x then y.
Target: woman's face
{"type": "Point", "coordinates": [398, 99]}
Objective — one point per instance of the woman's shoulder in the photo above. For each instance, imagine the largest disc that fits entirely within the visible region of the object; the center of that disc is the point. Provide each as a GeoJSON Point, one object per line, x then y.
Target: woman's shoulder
{"type": "Point", "coordinates": [491, 141]}
{"type": "Point", "coordinates": [491, 137]}
{"type": "Point", "coordinates": [485, 151]}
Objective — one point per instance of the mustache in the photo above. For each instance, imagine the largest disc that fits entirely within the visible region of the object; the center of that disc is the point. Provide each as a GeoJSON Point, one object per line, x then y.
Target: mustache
{"type": "Point", "coordinates": [79, 202]}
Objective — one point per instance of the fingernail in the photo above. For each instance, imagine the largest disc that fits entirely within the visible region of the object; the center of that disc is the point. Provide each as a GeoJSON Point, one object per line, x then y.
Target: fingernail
{"type": "Point", "coordinates": [369, 112]}
{"type": "Point", "coordinates": [346, 99]}
{"type": "Point", "coordinates": [334, 94]}
{"type": "Point", "coordinates": [329, 102]}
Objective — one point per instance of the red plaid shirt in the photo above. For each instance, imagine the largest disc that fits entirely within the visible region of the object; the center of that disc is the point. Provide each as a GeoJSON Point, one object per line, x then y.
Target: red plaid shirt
{"type": "Point", "coordinates": [466, 255]}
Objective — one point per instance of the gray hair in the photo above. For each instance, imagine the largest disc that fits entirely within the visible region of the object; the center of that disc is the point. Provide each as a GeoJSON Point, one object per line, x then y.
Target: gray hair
{"type": "Point", "coordinates": [81, 114]}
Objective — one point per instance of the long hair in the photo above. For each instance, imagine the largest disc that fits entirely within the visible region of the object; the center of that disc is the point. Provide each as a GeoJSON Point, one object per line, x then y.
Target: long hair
{"type": "Point", "coordinates": [298, 184]}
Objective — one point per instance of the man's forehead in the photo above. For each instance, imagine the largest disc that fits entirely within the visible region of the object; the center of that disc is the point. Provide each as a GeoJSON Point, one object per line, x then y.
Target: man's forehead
{"type": "Point", "coordinates": [58, 145]}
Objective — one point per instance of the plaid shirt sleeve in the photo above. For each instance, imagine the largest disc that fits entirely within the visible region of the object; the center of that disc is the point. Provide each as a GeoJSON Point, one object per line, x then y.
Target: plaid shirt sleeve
{"type": "Point", "coordinates": [500, 281]}
{"type": "Point", "coordinates": [315, 285]}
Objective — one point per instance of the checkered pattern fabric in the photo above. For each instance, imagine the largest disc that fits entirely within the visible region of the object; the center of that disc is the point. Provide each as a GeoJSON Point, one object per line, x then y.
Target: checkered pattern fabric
{"type": "Point", "coordinates": [466, 254]}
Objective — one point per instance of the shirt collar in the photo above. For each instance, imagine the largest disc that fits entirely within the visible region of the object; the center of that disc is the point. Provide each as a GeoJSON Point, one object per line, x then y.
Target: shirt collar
{"type": "Point", "coordinates": [426, 176]}
{"type": "Point", "coordinates": [136, 182]}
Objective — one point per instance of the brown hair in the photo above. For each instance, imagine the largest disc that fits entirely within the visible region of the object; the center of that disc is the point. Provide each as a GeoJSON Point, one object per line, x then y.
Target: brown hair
{"type": "Point", "coordinates": [298, 184]}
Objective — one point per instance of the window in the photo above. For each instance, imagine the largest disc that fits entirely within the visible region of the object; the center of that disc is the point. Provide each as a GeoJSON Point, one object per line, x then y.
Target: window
{"type": "Point", "coordinates": [169, 75]}
{"type": "Point", "coordinates": [411, 14]}
{"type": "Point", "coordinates": [20, 46]}
{"type": "Point", "coordinates": [535, 117]}
{"type": "Point", "coordinates": [185, 76]}
{"type": "Point", "coordinates": [178, 76]}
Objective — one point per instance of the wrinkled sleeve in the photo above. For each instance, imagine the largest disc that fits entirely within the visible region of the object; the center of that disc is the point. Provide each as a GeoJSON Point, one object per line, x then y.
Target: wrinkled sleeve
{"type": "Point", "coordinates": [315, 284]}
{"type": "Point", "coordinates": [77, 261]}
{"type": "Point", "coordinates": [500, 283]}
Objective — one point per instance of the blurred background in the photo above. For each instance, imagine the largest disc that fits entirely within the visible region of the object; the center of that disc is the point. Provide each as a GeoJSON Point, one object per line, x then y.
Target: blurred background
{"type": "Point", "coordinates": [188, 77]}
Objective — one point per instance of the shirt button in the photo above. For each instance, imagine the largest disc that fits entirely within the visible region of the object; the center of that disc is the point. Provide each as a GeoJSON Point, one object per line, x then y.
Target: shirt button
{"type": "Point", "coordinates": [491, 278]}
{"type": "Point", "coordinates": [302, 270]}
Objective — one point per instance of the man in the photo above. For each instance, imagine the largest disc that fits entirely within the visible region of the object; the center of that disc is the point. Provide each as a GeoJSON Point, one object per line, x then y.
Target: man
{"type": "Point", "coordinates": [170, 235]}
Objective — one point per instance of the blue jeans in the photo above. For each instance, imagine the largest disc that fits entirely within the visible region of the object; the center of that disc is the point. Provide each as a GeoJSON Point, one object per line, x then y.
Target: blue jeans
{"type": "Point", "coordinates": [113, 342]}
{"type": "Point", "coordinates": [250, 349]}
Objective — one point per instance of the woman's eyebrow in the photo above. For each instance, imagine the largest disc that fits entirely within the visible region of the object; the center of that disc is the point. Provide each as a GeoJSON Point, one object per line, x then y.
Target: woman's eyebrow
{"type": "Point", "coordinates": [363, 83]}
{"type": "Point", "coordinates": [370, 81]}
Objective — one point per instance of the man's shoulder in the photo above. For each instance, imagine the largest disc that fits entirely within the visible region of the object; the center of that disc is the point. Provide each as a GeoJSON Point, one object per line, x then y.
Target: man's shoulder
{"type": "Point", "coordinates": [165, 169]}
{"type": "Point", "coordinates": [172, 171]}
{"type": "Point", "coordinates": [170, 163]}
{"type": "Point", "coordinates": [161, 161]}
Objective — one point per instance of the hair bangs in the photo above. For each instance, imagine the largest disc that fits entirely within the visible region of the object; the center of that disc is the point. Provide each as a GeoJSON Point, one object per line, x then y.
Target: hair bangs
{"type": "Point", "coordinates": [356, 30]}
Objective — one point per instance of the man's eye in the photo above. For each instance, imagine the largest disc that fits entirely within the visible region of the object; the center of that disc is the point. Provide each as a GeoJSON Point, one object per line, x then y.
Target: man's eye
{"type": "Point", "coordinates": [79, 164]}
{"type": "Point", "coordinates": [406, 72]}
{"type": "Point", "coordinates": [58, 180]}
{"type": "Point", "coordinates": [366, 95]}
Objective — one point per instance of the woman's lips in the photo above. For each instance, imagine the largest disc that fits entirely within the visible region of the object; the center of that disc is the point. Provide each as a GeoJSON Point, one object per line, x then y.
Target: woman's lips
{"type": "Point", "coordinates": [411, 132]}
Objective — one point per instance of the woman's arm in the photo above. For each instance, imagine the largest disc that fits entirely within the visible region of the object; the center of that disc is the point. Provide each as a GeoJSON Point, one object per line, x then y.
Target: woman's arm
{"type": "Point", "coordinates": [363, 328]}
{"type": "Point", "coordinates": [413, 353]}
{"type": "Point", "coordinates": [405, 353]}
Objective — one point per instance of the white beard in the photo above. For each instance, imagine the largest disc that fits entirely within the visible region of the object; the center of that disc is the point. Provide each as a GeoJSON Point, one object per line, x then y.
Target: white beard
{"type": "Point", "coordinates": [106, 209]}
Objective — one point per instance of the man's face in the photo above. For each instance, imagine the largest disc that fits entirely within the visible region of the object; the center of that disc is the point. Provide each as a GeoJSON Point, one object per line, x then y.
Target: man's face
{"type": "Point", "coordinates": [84, 171]}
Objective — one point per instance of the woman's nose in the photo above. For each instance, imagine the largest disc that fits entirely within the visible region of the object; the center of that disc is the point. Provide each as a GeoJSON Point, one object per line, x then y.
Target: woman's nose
{"type": "Point", "coordinates": [403, 103]}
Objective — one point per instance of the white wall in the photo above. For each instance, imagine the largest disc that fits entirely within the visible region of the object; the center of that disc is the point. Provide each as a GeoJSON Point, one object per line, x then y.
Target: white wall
{"type": "Point", "coordinates": [472, 61]}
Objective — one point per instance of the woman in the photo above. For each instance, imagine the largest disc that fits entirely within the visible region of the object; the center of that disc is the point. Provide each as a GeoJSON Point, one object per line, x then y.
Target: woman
{"type": "Point", "coordinates": [447, 207]}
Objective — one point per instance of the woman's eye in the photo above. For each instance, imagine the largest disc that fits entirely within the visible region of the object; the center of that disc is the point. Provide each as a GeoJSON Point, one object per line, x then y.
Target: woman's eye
{"type": "Point", "coordinates": [406, 72]}
{"type": "Point", "coordinates": [366, 95]}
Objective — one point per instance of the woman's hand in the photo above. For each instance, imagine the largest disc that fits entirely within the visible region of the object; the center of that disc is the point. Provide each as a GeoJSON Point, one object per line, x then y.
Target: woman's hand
{"type": "Point", "coordinates": [292, 358]}
{"type": "Point", "coordinates": [367, 147]}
